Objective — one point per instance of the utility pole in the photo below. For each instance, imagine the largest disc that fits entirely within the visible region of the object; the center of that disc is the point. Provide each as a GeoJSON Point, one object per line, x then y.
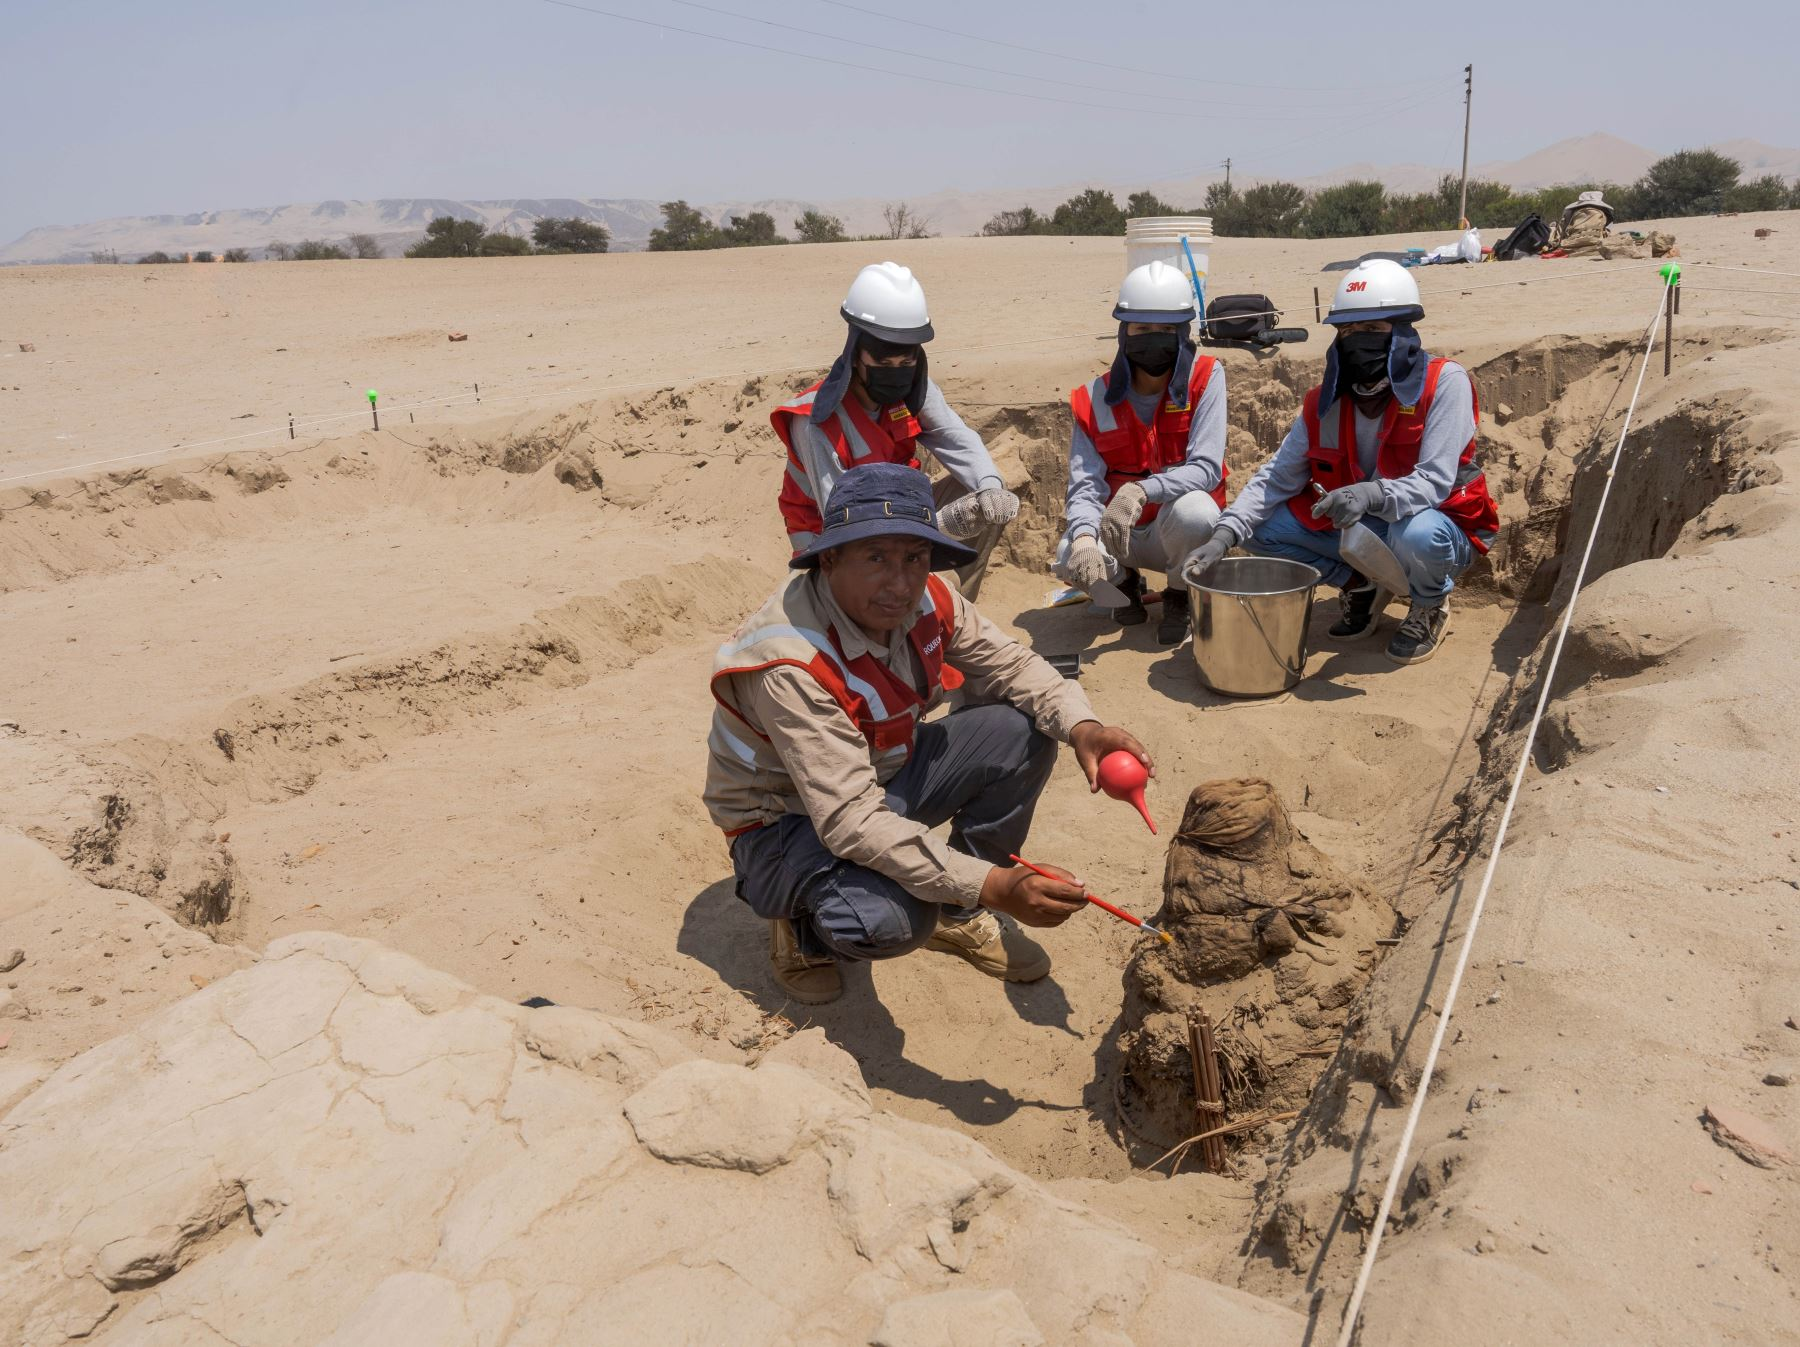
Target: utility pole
{"type": "Point", "coordinates": [1468, 103]}
{"type": "Point", "coordinates": [1228, 175]}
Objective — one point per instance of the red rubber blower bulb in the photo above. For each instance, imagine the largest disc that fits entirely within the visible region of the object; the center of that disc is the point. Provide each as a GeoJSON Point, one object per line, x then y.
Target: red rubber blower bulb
{"type": "Point", "coordinates": [1123, 777]}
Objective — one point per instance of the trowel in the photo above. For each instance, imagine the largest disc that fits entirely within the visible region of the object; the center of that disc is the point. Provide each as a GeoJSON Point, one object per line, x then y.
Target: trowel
{"type": "Point", "coordinates": [1370, 556]}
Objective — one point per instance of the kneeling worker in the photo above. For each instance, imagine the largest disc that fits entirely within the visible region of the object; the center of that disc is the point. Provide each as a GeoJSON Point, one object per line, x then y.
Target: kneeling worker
{"type": "Point", "coordinates": [827, 784]}
{"type": "Point", "coordinates": [877, 404]}
{"type": "Point", "coordinates": [1147, 456]}
{"type": "Point", "coordinates": [1387, 439]}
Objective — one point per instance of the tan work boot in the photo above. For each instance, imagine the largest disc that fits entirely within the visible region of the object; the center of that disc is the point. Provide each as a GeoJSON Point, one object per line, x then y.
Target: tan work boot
{"type": "Point", "coordinates": [810, 980]}
{"type": "Point", "coordinates": [986, 944]}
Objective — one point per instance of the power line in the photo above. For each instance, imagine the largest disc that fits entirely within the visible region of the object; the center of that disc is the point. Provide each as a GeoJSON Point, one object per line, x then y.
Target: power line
{"type": "Point", "coordinates": [1084, 60]}
{"type": "Point", "coordinates": [980, 69]}
{"type": "Point", "coordinates": [891, 74]}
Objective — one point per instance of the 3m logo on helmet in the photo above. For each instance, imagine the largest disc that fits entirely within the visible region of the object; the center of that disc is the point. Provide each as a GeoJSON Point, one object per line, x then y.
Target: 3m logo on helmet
{"type": "Point", "coordinates": [1354, 286]}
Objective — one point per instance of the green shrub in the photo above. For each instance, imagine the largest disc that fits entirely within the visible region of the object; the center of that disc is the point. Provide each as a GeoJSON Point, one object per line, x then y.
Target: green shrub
{"type": "Point", "coordinates": [816, 227]}
{"type": "Point", "coordinates": [684, 229]}
{"type": "Point", "coordinates": [317, 250]}
{"type": "Point", "coordinates": [448, 236]}
{"type": "Point", "coordinates": [235, 255]}
{"type": "Point", "coordinates": [572, 235]}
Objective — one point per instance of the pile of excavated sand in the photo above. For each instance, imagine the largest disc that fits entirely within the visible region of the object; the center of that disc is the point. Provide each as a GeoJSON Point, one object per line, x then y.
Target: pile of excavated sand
{"type": "Point", "coordinates": [339, 1145]}
{"type": "Point", "coordinates": [442, 688]}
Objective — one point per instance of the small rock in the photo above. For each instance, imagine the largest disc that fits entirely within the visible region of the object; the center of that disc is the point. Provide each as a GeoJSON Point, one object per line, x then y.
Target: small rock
{"type": "Point", "coordinates": [1749, 1137]}
{"type": "Point", "coordinates": [1662, 790]}
{"type": "Point", "coordinates": [1539, 1247]}
{"type": "Point", "coordinates": [1700, 1188]}
{"type": "Point", "coordinates": [1486, 1244]}
{"type": "Point", "coordinates": [1503, 413]}
{"type": "Point", "coordinates": [27, 347]}
{"type": "Point", "coordinates": [1776, 1078]}
{"type": "Point", "coordinates": [198, 981]}
{"type": "Point", "coordinates": [1493, 998]}
{"type": "Point", "coordinates": [12, 961]}
{"type": "Point", "coordinates": [459, 336]}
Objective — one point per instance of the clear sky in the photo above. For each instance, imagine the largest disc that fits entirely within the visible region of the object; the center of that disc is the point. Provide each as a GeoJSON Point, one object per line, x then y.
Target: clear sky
{"type": "Point", "coordinates": [119, 107]}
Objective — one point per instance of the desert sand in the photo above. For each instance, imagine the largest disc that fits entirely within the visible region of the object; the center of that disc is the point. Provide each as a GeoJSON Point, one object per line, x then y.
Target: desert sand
{"type": "Point", "coordinates": [320, 754]}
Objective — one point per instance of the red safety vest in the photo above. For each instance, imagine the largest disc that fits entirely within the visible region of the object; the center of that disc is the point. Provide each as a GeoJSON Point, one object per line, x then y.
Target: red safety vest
{"type": "Point", "coordinates": [888, 436]}
{"type": "Point", "coordinates": [791, 629]}
{"type": "Point", "coordinates": [1133, 450]}
{"type": "Point", "coordinates": [1331, 457]}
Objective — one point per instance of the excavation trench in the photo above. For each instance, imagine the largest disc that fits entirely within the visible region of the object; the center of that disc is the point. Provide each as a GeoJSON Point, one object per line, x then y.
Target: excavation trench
{"type": "Point", "coordinates": [438, 787]}
{"type": "Point", "coordinates": [1281, 917]}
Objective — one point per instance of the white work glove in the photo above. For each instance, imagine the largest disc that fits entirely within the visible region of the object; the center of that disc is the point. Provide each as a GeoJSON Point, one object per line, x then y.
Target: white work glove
{"type": "Point", "coordinates": [1087, 564]}
{"type": "Point", "coordinates": [968, 515]}
{"type": "Point", "coordinates": [1204, 557]}
{"type": "Point", "coordinates": [1120, 518]}
{"type": "Point", "coordinates": [1348, 504]}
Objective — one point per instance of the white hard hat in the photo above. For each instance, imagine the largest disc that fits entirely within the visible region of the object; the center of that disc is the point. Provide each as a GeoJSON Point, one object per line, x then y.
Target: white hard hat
{"type": "Point", "coordinates": [886, 301]}
{"type": "Point", "coordinates": [1376, 289]}
{"type": "Point", "coordinates": [1155, 293]}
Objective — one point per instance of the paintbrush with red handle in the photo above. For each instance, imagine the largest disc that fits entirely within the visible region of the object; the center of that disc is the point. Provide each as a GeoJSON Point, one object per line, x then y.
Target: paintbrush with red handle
{"type": "Point", "coordinates": [1118, 912]}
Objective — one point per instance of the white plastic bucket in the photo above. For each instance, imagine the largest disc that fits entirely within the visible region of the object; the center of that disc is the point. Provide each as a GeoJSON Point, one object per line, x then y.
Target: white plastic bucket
{"type": "Point", "coordinates": [1157, 238]}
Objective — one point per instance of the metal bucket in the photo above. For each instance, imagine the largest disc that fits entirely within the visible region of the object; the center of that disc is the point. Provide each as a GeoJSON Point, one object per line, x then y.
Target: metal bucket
{"type": "Point", "coordinates": [1250, 625]}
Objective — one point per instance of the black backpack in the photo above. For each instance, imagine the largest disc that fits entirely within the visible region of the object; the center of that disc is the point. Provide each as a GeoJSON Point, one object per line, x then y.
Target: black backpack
{"type": "Point", "coordinates": [1528, 240]}
{"type": "Point", "coordinates": [1240, 317]}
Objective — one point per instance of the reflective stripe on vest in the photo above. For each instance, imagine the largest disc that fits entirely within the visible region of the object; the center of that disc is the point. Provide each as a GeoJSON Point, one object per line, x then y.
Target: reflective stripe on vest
{"type": "Point", "coordinates": [1332, 459]}
{"type": "Point", "coordinates": [790, 630]}
{"type": "Point", "coordinates": [1132, 450]}
{"type": "Point", "coordinates": [889, 436]}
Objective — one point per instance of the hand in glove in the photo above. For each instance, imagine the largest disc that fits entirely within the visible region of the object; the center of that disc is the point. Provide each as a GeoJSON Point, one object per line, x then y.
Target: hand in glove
{"type": "Point", "coordinates": [1348, 504]}
{"type": "Point", "coordinates": [1120, 518]}
{"type": "Point", "coordinates": [997, 505]}
{"type": "Point", "coordinates": [1204, 557]}
{"type": "Point", "coordinates": [968, 515]}
{"type": "Point", "coordinates": [1087, 564]}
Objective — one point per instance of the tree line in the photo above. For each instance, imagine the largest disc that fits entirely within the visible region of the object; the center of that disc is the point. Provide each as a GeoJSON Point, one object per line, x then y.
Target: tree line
{"type": "Point", "coordinates": [1691, 182]}
{"type": "Point", "coordinates": [685, 229]}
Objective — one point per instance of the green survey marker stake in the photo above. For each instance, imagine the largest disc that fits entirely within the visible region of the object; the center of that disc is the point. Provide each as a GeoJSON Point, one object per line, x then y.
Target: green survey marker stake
{"type": "Point", "coordinates": [373, 413]}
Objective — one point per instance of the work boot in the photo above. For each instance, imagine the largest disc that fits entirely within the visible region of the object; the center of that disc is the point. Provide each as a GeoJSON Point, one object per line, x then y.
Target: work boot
{"type": "Point", "coordinates": [984, 942]}
{"type": "Point", "coordinates": [1360, 611]}
{"type": "Point", "coordinates": [810, 979]}
{"type": "Point", "coordinates": [1172, 627]}
{"type": "Point", "coordinates": [1421, 634]}
{"type": "Point", "coordinates": [1131, 585]}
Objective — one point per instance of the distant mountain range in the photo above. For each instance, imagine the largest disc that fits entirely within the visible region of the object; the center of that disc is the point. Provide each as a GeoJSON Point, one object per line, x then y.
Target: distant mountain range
{"type": "Point", "coordinates": [399, 223]}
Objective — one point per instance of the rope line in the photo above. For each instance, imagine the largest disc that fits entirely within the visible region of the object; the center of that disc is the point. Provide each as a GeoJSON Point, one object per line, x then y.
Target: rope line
{"type": "Point", "coordinates": [1348, 1330]}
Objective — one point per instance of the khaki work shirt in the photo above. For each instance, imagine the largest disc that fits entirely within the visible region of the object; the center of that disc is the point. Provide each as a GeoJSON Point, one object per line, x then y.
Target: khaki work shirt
{"type": "Point", "coordinates": [828, 758]}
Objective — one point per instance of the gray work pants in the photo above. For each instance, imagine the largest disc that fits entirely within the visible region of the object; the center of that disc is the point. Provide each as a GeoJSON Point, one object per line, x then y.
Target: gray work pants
{"type": "Point", "coordinates": [1161, 545]}
{"type": "Point", "coordinates": [980, 769]}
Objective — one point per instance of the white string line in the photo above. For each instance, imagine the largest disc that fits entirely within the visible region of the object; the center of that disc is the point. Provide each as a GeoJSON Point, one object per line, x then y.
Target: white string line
{"type": "Point", "coordinates": [1548, 675]}
{"type": "Point", "coordinates": [1726, 266]}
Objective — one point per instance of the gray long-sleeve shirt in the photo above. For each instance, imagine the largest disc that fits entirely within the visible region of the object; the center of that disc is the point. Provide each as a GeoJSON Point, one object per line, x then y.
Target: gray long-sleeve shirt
{"type": "Point", "coordinates": [941, 431]}
{"type": "Point", "coordinates": [1448, 428]}
{"type": "Point", "coordinates": [1201, 470]}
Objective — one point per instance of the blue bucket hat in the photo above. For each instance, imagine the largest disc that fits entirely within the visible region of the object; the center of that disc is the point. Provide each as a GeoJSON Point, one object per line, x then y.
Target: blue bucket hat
{"type": "Point", "coordinates": [880, 500]}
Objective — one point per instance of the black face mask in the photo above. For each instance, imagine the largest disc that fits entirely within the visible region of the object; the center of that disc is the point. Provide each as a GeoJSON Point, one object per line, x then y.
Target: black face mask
{"type": "Point", "coordinates": [1364, 357]}
{"type": "Point", "coordinates": [1154, 353]}
{"type": "Point", "coordinates": [889, 383]}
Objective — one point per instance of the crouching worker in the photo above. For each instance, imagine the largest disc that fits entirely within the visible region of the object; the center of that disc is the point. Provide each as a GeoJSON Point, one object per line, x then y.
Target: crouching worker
{"type": "Point", "coordinates": [877, 404]}
{"type": "Point", "coordinates": [1147, 456]}
{"type": "Point", "coordinates": [1388, 439]}
{"type": "Point", "coordinates": [828, 786]}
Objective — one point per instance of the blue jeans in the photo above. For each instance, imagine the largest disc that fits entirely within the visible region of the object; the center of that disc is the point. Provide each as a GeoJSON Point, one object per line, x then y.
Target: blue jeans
{"type": "Point", "coordinates": [980, 769]}
{"type": "Point", "coordinates": [1429, 546]}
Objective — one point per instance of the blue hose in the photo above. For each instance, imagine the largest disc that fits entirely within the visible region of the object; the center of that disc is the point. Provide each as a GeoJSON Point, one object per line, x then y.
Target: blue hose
{"type": "Point", "coordinates": [1194, 277]}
